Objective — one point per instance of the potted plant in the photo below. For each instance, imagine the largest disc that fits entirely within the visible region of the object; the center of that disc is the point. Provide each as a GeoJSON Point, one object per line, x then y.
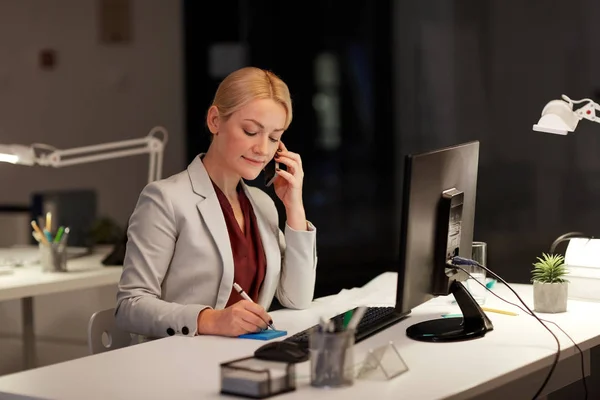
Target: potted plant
{"type": "Point", "coordinates": [550, 288]}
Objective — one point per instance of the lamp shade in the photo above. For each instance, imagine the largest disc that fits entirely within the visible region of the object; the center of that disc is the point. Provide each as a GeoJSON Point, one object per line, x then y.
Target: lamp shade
{"type": "Point", "coordinates": [558, 117]}
{"type": "Point", "coordinates": [17, 154]}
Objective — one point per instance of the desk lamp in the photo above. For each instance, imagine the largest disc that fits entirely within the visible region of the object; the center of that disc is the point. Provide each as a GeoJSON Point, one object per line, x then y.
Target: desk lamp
{"type": "Point", "coordinates": [558, 116]}
{"type": "Point", "coordinates": [45, 155]}
{"type": "Point", "coordinates": [583, 251]}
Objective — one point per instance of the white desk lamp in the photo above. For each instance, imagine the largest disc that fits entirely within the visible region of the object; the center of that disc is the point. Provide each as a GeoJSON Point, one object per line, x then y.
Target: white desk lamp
{"type": "Point", "coordinates": [45, 155]}
{"type": "Point", "coordinates": [582, 254]}
{"type": "Point", "coordinates": [558, 116]}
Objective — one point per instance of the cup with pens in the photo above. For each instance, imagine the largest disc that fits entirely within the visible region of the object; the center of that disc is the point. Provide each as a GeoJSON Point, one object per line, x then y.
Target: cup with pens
{"type": "Point", "coordinates": [332, 351]}
{"type": "Point", "coordinates": [53, 248]}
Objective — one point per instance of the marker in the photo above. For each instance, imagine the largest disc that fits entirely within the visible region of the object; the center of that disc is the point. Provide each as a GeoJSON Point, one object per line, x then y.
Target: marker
{"type": "Point", "coordinates": [59, 234]}
{"type": "Point", "coordinates": [356, 317]}
{"type": "Point", "coordinates": [245, 296]}
{"type": "Point", "coordinates": [347, 318]}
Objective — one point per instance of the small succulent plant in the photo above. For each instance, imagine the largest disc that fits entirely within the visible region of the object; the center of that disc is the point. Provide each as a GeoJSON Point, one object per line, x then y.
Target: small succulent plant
{"type": "Point", "coordinates": [550, 268]}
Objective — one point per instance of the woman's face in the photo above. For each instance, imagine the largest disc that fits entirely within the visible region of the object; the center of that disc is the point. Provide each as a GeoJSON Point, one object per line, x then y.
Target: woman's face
{"type": "Point", "coordinates": [249, 138]}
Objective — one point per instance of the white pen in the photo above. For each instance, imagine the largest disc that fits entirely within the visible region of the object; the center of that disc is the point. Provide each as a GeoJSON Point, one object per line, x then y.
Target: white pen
{"type": "Point", "coordinates": [245, 296]}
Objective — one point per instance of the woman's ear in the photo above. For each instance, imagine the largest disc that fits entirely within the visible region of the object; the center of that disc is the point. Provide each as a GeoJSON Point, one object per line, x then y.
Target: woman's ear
{"type": "Point", "coordinates": [212, 120]}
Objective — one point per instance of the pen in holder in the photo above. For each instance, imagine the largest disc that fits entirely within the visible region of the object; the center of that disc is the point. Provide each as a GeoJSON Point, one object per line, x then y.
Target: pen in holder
{"type": "Point", "coordinates": [53, 257]}
{"type": "Point", "coordinates": [331, 358]}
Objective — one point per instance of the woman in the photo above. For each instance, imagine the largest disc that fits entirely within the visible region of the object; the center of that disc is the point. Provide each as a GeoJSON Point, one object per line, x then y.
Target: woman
{"type": "Point", "coordinates": [191, 236]}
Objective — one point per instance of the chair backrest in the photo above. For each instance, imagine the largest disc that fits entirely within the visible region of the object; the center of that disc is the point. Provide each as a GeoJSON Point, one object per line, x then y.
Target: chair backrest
{"type": "Point", "coordinates": [103, 333]}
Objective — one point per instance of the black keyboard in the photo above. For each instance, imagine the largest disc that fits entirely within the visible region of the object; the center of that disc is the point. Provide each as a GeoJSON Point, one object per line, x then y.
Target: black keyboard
{"type": "Point", "coordinates": [374, 320]}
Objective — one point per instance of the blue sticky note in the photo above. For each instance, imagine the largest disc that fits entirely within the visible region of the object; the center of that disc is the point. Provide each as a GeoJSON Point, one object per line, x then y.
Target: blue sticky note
{"type": "Point", "coordinates": [264, 335]}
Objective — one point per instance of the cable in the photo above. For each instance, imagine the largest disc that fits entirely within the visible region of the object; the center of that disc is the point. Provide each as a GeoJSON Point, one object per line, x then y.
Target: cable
{"type": "Point", "coordinates": [568, 236]}
{"type": "Point", "coordinates": [472, 262]}
{"type": "Point", "coordinates": [583, 378]}
{"type": "Point", "coordinates": [456, 261]}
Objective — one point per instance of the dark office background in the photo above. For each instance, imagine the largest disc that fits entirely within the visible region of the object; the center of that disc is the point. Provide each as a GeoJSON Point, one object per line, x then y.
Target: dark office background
{"type": "Point", "coordinates": [410, 76]}
{"type": "Point", "coordinates": [348, 162]}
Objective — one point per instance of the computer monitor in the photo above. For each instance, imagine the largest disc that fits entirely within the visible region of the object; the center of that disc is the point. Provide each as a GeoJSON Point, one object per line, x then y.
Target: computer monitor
{"type": "Point", "coordinates": [438, 212]}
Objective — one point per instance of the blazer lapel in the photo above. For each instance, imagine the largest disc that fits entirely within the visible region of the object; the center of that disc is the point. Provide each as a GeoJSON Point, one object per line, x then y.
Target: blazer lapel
{"type": "Point", "coordinates": [270, 241]}
{"type": "Point", "coordinates": [209, 208]}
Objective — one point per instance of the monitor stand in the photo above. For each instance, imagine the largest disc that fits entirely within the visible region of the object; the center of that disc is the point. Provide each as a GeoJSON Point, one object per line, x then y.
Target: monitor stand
{"type": "Point", "coordinates": [474, 323]}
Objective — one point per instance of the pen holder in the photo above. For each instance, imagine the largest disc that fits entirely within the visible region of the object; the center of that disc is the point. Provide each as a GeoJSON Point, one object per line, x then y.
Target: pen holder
{"type": "Point", "coordinates": [331, 358]}
{"type": "Point", "coordinates": [53, 257]}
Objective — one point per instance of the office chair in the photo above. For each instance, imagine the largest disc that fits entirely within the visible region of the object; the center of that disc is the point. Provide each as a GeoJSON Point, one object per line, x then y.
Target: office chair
{"type": "Point", "coordinates": [103, 323]}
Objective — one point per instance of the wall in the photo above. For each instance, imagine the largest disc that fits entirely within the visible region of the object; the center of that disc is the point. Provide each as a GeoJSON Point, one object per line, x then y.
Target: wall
{"type": "Point", "coordinates": [97, 93]}
{"type": "Point", "coordinates": [500, 63]}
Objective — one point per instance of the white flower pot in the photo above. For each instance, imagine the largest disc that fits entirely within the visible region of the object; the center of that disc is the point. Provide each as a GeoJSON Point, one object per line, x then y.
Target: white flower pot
{"type": "Point", "coordinates": [550, 297]}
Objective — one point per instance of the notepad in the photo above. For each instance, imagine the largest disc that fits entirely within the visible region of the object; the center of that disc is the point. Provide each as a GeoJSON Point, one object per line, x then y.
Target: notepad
{"type": "Point", "coordinates": [264, 335]}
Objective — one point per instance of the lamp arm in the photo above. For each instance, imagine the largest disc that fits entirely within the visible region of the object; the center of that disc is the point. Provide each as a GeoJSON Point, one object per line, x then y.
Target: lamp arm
{"type": "Point", "coordinates": [588, 111]}
{"type": "Point", "coordinates": [150, 144]}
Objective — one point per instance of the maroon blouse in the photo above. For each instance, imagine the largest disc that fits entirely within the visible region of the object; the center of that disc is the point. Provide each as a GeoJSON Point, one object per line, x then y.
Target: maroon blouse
{"type": "Point", "coordinates": [250, 263]}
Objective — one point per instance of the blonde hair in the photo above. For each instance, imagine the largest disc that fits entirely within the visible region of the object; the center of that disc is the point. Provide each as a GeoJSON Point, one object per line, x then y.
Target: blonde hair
{"type": "Point", "coordinates": [247, 84]}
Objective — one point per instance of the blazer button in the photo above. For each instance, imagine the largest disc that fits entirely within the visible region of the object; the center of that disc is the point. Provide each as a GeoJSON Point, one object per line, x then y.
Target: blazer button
{"type": "Point", "coordinates": [185, 330]}
{"type": "Point", "coordinates": [170, 332]}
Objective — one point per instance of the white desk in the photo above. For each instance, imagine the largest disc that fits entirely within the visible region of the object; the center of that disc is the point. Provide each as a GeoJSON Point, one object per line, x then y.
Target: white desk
{"type": "Point", "coordinates": [29, 281]}
{"type": "Point", "coordinates": [188, 368]}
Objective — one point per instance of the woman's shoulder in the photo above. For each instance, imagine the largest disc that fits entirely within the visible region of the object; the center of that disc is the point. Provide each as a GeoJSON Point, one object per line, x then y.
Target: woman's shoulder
{"type": "Point", "coordinates": [171, 187]}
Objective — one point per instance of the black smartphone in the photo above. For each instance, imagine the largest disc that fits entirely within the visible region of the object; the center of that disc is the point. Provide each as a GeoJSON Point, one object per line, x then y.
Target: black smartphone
{"type": "Point", "coordinates": [270, 172]}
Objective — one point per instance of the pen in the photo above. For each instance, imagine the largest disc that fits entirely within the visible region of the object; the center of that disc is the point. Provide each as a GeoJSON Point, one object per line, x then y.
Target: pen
{"type": "Point", "coordinates": [245, 296]}
{"type": "Point", "coordinates": [494, 310]}
{"type": "Point", "coordinates": [64, 238]}
{"type": "Point", "coordinates": [36, 236]}
{"type": "Point", "coordinates": [48, 226]}
{"type": "Point", "coordinates": [48, 235]}
{"type": "Point", "coordinates": [35, 227]}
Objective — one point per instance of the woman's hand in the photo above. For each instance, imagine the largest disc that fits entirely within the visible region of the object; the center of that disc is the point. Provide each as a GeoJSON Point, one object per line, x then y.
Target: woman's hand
{"type": "Point", "coordinates": [238, 319]}
{"type": "Point", "coordinates": [288, 187]}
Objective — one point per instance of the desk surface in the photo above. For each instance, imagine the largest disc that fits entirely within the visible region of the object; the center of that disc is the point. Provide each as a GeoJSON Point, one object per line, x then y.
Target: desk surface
{"type": "Point", "coordinates": [84, 272]}
{"type": "Point", "coordinates": [188, 368]}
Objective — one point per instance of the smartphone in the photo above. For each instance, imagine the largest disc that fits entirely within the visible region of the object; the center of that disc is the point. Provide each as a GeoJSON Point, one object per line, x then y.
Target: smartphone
{"type": "Point", "coordinates": [270, 174]}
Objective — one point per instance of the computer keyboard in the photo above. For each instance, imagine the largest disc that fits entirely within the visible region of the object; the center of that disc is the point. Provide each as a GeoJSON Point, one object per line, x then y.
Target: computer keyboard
{"type": "Point", "coordinates": [374, 320]}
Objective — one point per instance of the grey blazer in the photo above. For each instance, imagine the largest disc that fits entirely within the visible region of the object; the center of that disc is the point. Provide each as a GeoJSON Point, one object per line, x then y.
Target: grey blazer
{"type": "Point", "coordinates": [179, 260]}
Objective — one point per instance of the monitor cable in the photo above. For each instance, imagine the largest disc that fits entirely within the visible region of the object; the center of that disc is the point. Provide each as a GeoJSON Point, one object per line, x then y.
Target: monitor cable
{"type": "Point", "coordinates": [583, 378]}
{"type": "Point", "coordinates": [458, 262]}
{"type": "Point", "coordinates": [566, 237]}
